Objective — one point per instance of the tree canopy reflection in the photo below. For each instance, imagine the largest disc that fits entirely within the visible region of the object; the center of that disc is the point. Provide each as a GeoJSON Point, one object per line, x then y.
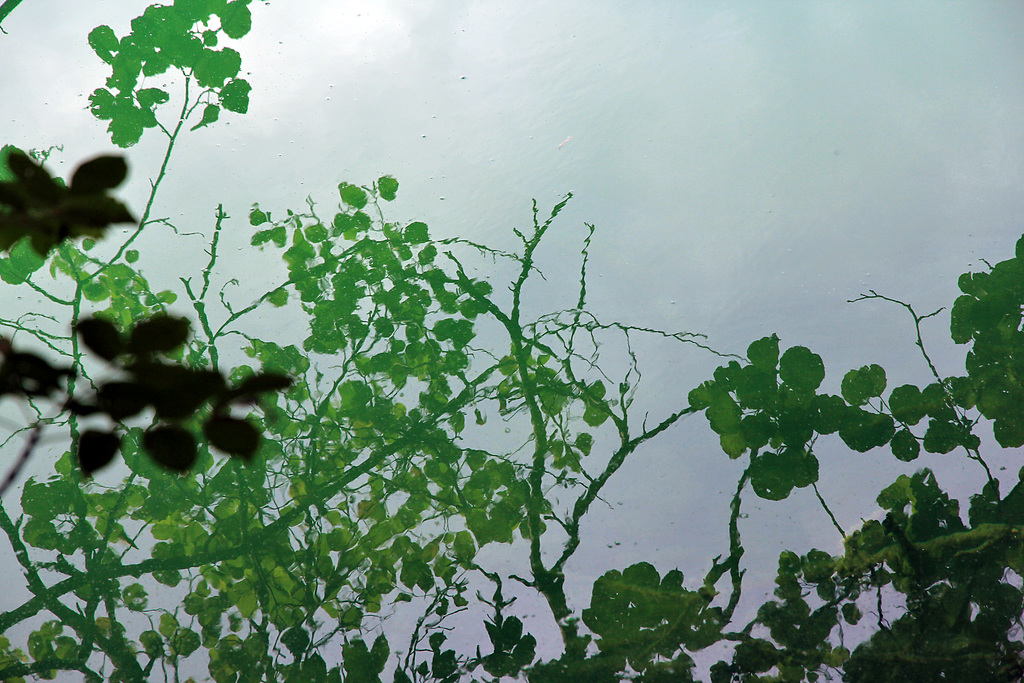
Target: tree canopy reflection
{"type": "Point", "coordinates": [433, 413]}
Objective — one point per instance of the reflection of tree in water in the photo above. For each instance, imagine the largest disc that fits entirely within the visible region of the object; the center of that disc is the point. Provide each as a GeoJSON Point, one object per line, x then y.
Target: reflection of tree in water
{"type": "Point", "coordinates": [376, 482]}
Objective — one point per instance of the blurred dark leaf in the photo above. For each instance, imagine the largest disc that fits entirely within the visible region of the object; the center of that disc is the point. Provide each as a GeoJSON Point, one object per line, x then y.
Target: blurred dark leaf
{"type": "Point", "coordinates": [99, 174]}
{"type": "Point", "coordinates": [101, 337]}
{"type": "Point", "coordinates": [172, 447]}
{"type": "Point", "coordinates": [232, 435]}
{"type": "Point", "coordinates": [96, 450]}
{"type": "Point", "coordinates": [159, 334]}
{"type": "Point", "coordinates": [257, 384]}
{"type": "Point", "coordinates": [121, 400]}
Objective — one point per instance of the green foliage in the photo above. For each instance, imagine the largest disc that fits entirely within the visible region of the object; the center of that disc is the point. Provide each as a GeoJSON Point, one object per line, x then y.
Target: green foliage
{"type": "Point", "coordinates": [375, 481]}
{"type": "Point", "coordinates": [988, 316]}
{"type": "Point", "coordinates": [770, 410]}
{"type": "Point", "coordinates": [640, 616]}
{"type": "Point", "coordinates": [179, 36]}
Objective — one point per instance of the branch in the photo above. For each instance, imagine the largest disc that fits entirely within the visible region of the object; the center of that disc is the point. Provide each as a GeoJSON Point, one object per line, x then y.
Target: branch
{"type": "Point", "coordinates": [6, 9]}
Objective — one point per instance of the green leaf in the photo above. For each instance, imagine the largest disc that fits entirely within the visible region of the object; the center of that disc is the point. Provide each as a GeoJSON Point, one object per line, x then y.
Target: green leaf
{"type": "Point", "coordinates": [907, 404]}
{"type": "Point", "coordinates": [127, 119]}
{"type": "Point", "coordinates": [168, 625]}
{"type": "Point", "coordinates": [416, 233]}
{"type": "Point", "coordinates": [210, 114]}
{"type": "Point", "coordinates": [774, 475]}
{"type": "Point", "coordinates": [862, 384]}
{"type": "Point", "coordinates": [723, 413]}
{"type": "Point", "coordinates": [801, 369]}
{"type": "Point", "coordinates": [829, 412]}
{"type": "Point", "coordinates": [764, 353]}
{"type": "Point", "coordinates": [863, 431]}
{"type": "Point", "coordinates": [316, 233]}
{"type": "Point", "coordinates": [103, 42]}
{"type": "Point", "coordinates": [1009, 433]}
{"type": "Point", "coordinates": [905, 446]}
{"type": "Point", "coordinates": [257, 217]}
{"type": "Point", "coordinates": [21, 263]}
{"type": "Point", "coordinates": [214, 67]}
{"type": "Point", "coordinates": [595, 416]}
{"type": "Point", "coordinates": [184, 642]}
{"type": "Point", "coordinates": [943, 435]}
{"type": "Point", "coordinates": [388, 188]}
{"type": "Point", "coordinates": [151, 97]}
{"type": "Point", "coordinates": [352, 195]}
{"type": "Point", "coordinates": [234, 96]}
{"type": "Point", "coordinates": [463, 546]}
{"type": "Point", "coordinates": [296, 639]}
{"type": "Point", "coordinates": [755, 656]}
{"type": "Point", "coordinates": [279, 297]}
{"type": "Point", "coordinates": [236, 19]}
{"type": "Point", "coordinates": [734, 444]}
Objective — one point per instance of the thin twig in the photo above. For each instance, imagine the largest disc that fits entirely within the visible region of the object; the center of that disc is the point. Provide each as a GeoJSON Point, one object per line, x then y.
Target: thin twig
{"type": "Point", "coordinates": [19, 464]}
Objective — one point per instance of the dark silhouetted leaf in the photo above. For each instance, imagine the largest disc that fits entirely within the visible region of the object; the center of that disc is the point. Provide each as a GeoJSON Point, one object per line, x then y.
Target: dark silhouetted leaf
{"type": "Point", "coordinates": [96, 450]}
{"type": "Point", "coordinates": [257, 384]}
{"type": "Point", "coordinates": [30, 375]}
{"type": "Point", "coordinates": [233, 436]}
{"type": "Point", "coordinates": [159, 334]}
{"type": "Point", "coordinates": [34, 179]}
{"type": "Point", "coordinates": [101, 337]}
{"type": "Point", "coordinates": [172, 447]}
{"type": "Point", "coordinates": [123, 399]}
{"type": "Point", "coordinates": [99, 174]}
{"type": "Point", "coordinates": [177, 392]}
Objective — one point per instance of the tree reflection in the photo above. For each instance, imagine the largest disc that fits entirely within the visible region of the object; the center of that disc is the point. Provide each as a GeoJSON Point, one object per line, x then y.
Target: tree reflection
{"type": "Point", "coordinates": [433, 413]}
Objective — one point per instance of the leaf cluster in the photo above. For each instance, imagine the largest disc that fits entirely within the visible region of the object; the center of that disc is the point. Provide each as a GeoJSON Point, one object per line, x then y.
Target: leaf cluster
{"type": "Point", "coordinates": [182, 36]}
{"type": "Point", "coordinates": [990, 316]}
{"type": "Point", "coordinates": [173, 391]}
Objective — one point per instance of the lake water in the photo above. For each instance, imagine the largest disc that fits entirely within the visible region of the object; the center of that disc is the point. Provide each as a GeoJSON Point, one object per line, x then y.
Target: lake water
{"type": "Point", "coordinates": [748, 167]}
